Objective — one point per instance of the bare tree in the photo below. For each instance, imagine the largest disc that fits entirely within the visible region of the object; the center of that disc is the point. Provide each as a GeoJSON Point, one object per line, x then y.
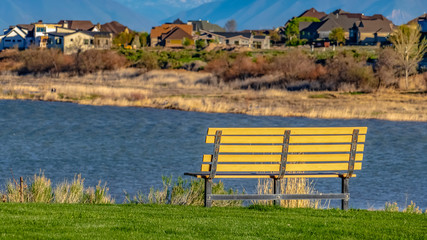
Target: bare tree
{"type": "Point", "coordinates": [407, 44]}
{"type": "Point", "coordinates": [230, 25]}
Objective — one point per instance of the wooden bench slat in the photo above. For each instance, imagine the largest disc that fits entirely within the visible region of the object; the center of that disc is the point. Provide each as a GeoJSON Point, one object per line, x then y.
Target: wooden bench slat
{"type": "Point", "coordinates": [279, 139]}
{"type": "Point", "coordinates": [280, 131]}
{"type": "Point", "coordinates": [276, 158]}
{"type": "Point", "coordinates": [305, 175]}
{"type": "Point", "coordinates": [275, 167]}
{"type": "Point", "coordinates": [292, 148]}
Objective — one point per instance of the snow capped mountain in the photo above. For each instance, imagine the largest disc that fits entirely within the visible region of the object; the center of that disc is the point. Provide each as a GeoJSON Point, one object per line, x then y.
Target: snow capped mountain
{"type": "Point", "coordinates": [259, 14]}
{"type": "Point", "coordinates": [249, 14]}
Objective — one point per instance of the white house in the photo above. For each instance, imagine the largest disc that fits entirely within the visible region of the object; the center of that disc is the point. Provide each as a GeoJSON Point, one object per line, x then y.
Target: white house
{"type": "Point", "coordinates": [13, 37]}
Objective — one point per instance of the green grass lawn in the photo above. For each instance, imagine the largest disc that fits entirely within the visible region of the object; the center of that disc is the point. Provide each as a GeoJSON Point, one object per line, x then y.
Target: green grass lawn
{"type": "Point", "coordinates": [77, 221]}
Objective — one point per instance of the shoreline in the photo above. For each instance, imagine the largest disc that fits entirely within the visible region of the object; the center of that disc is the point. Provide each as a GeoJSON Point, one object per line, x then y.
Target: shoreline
{"type": "Point", "coordinates": [185, 91]}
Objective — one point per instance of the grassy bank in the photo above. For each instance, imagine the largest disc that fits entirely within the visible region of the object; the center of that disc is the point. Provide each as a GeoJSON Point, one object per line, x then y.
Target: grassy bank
{"type": "Point", "coordinates": [189, 91]}
{"type": "Point", "coordinates": [75, 221]}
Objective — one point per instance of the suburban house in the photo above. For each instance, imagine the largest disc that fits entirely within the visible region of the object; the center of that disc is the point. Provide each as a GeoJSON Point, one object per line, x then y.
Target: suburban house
{"type": "Point", "coordinates": [422, 21]}
{"type": "Point", "coordinates": [204, 25]}
{"type": "Point", "coordinates": [159, 31]}
{"type": "Point", "coordinates": [72, 42]}
{"type": "Point", "coordinates": [369, 32]}
{"type": "Point", "coordinates": [81, 25]}
{"type": "Point", "coordinates": [312, 12]}
{"type": "Point", "coordinates": [114, 27]}
{"type": "Point", "coordinates": [14, 37]}
{"type": "Point", "coordinates": [243, 39]}
{"type": "Point", "coordinates": [358, 28]}
{"type": "Point", "coordinates": [176, 38]}
{"type": "Point", "coordinates": [41, 31]}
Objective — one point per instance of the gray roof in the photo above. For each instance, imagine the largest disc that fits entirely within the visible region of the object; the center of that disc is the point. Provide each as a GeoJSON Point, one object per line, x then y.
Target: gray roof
{"type": "Point", "coordinates": [375, 26]}
{"type": "Point", "coordinates": [206, 26]}
{"type": "Point", "coordinates": [102, 34]}
{"type": "Point", "coordinates": [260, 37]}
{"type": "Point", "coordinates": [233, 34]}
{"type": "Point", "coordinates": [335, 21]}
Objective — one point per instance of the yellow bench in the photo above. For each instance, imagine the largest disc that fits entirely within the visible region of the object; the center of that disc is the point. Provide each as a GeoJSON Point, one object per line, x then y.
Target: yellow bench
{"type": "Point", "coordinates": [280, 153]}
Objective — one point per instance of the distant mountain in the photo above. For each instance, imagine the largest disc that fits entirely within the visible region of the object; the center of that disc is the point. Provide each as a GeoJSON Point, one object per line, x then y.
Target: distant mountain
{"type": "Point", "coordinates": [14, 12]}
{"type": "Point", "coordinates": [265, 14]}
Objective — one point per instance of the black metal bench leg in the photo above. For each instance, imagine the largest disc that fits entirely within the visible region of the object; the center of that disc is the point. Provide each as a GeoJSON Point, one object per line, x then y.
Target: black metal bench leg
{"type": "Point", "coordinates": [277, 190]}
{"type": "Point", "coordinates": [208, 192]}
{"type": "Point", "coordinates": [344, 202]}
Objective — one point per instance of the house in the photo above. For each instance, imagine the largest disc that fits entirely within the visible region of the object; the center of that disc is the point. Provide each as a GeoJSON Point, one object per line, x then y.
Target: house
{"type": "Point", "coordinates": [243, 39]}
{"type": "Point", "coordinates": [176, 38]}
{"type": "Point", "coordinates": [157, 32]}
{"type": "Point", "coordinates": [72, 42]}
{"type": "Point", "coordinates": [115, 28]}
{"type": "Point", "coordinates": [261, 42]}
{"type": "Point", "coordinates": [81, 25]}
{"type": "Point", "coordinates": [312, 12]}
{"type": "Point", "coordinates": [204, 25]}
{"type": "Point", "coordinates": [358, 28]}
{"type": "Point", "coordinates": [422, 21]}
{"type": "Point", "coordinates": [370, 32]}
{"type": "Point", "coordinates": [233, 38]}
{"type": "Point", "coordinates": [14, 37]}
{"type": "Point", "coordinates": [38, 36]}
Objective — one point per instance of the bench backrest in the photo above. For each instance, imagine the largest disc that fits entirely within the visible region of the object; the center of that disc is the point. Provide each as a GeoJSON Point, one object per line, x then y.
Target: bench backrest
{"type": "Point", "coordinates": [284, 152]}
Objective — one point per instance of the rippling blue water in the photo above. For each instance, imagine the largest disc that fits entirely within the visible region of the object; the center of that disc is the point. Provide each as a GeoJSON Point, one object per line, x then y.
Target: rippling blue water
{"type": "Point", "coordinates": [131, 148]}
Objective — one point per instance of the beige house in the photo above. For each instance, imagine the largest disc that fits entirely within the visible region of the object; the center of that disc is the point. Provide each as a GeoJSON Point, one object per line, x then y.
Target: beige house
{"type": "Point", "coordinates": [72, 42]}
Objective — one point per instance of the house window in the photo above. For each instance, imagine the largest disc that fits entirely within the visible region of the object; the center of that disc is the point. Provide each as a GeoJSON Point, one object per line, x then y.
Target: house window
{"type": "Point", "coordinates": [106, 42]}
{"type": "Point", "coordinates": [71, 39]}
{"type": "Point", "coordinates": [236, 43]}
{"type": "Point", "coordinates": [86, 41]}
{"type": "Point", "coordinates": [58, 41]}
{"type": "Point", "coordinates": [99, 42]}
{"type": "Point", "coordinates": [13, 40]}
{"type": "Point", "coordinates": [41, 29]}
{"type": "Point", "coordinates": [19, 40]}
{"type": "Point", "coordinates": [7, 40]}
{"type": "Point", "coordinates": [91, 42]}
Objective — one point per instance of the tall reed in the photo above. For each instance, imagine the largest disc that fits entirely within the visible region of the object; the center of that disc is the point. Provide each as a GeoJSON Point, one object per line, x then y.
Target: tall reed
{"type": "Point", "coordinates": [290, 186]}
{"type": "Point", "coordinates": [182, 192]}
{"type": "Point", "coordinates": [41, 189]}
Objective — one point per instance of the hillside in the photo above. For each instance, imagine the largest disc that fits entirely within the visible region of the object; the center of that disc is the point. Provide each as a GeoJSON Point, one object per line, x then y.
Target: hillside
{"type": "Point", "coordinates": [262, 14]}
{"type": "Point", "coordinates": [25, 11]}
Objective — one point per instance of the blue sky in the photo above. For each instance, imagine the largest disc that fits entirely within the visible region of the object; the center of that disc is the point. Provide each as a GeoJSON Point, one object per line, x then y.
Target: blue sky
{"type": "Point", "coordinates": [161, 9]}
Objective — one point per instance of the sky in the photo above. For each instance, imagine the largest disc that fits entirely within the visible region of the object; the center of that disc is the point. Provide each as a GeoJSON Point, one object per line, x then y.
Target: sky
{"type": "Point", "coordinates": [161, 9]}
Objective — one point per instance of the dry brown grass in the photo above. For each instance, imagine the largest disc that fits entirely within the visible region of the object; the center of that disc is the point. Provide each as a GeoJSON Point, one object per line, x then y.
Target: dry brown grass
{"type": "Point", "coordinates": [188, 91]}
{"type": "Point", "coordinates": [290, 186]}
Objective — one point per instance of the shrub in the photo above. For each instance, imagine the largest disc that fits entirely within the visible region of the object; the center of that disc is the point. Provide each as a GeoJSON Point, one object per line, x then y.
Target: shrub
{"type": "Point", "coordinates": [148, 61]}
{"type": "Point", "coordinates": [387, 68]}
{"type": "Point", "coordinates": [91, 61]}
{"type": "Point", "coordinates": [38, 61]}
{"type": "Point", "coordinates": [344, 69]}
{"type": "Point", "coordinates": [296, 65]}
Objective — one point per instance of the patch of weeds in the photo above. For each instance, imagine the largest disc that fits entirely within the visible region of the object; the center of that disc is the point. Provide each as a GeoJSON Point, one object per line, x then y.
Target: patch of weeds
{"type": "Point", "coordinates": [322, 95]}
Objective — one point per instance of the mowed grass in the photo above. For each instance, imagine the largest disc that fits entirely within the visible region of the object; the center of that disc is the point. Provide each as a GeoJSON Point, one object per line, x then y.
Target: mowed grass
{"type": "Point", "coordinates": [78, 221]}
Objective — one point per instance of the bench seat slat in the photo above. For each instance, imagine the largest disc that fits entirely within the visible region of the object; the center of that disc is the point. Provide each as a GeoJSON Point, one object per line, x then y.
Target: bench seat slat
{"type": "Point", "coordinates": [240, 175]}
{"type": "Point", "coordinates": [280, 131]}
{"type": "Point", "coordinates": [279, 139]}
{"type": "Point", "coordinates": [292, 148]}
{"type": "Point", "coordinates": [275, 167]}
{"type": "Point", "coordinates": [276, 158]}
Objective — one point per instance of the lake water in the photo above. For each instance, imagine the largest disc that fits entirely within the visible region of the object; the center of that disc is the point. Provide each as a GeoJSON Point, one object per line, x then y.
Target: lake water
{"type": "Point", "coordinates": [131, 148]}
